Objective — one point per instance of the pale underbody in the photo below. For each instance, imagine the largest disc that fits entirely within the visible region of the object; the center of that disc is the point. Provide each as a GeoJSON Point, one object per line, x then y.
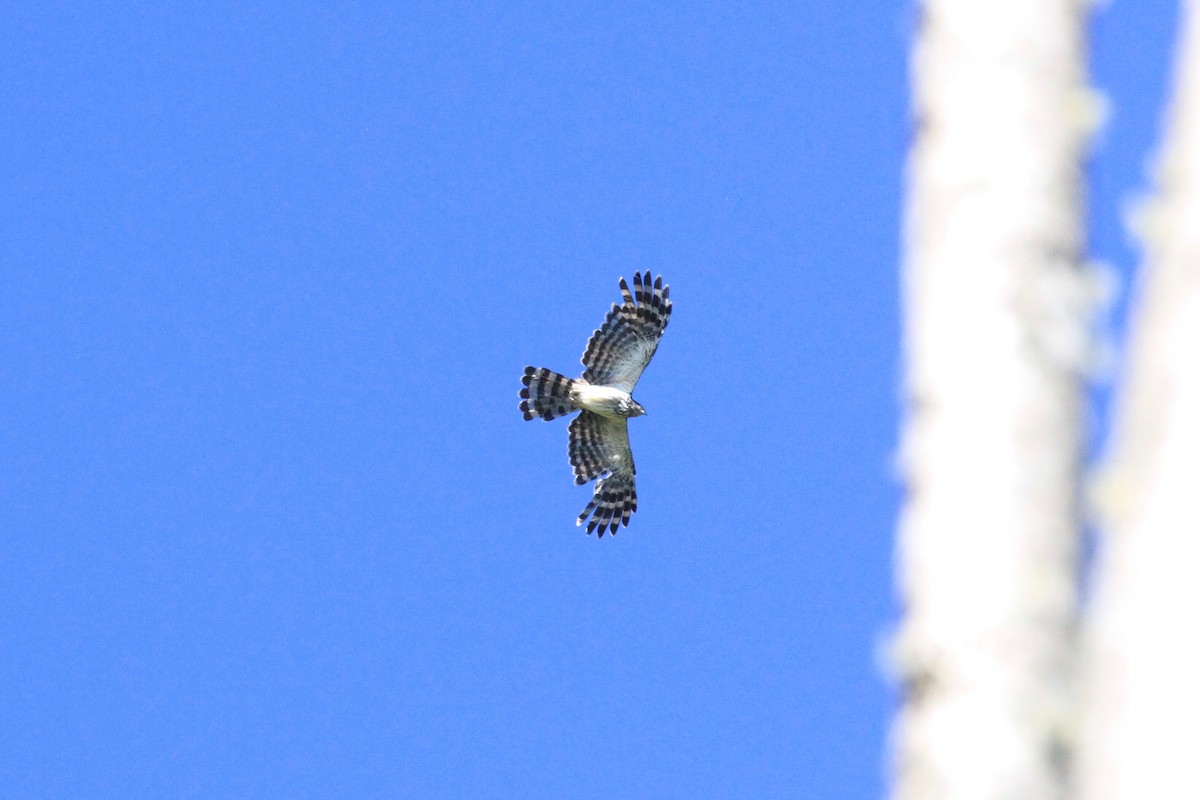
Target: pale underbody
{"type": "Point", "coordinates": [607, 401]}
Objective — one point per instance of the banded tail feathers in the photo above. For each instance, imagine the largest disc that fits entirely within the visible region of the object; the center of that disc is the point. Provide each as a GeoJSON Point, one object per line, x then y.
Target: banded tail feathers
{"type": "Point", "coordinates": [546, 394]}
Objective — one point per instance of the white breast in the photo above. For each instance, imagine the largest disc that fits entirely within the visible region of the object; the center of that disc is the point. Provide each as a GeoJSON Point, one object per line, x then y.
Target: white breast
{"type": "Point", "coordinates": [599, 399]}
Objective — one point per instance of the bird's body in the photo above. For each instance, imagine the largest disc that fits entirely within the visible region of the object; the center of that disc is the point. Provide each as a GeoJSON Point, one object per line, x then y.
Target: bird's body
{"type": "Point", "coordinates": [616, 356]}
{"type": "Point", "coordinates": [607, 401]}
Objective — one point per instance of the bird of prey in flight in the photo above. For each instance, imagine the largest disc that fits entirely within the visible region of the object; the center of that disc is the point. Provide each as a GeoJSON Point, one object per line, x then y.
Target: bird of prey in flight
{"type": "Point", "coordinates": [615, 358]}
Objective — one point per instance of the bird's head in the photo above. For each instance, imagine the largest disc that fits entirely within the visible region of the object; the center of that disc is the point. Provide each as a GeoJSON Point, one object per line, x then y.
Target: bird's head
{"type": "Point", "coordinates": [634, 408]}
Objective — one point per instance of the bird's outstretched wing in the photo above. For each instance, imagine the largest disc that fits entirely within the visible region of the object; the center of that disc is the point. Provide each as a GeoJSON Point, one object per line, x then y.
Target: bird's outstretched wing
{"type": "Point", "coordinates": [618, 352]}
{"type": "Point", "coordinates": [598, 447]}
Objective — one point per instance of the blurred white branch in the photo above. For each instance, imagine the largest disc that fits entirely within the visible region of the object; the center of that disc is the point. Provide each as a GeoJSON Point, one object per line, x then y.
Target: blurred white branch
{"type": "Point", "coordinates": [1142, 654]}
{"type": "Point", "coordinates": [997, 313]}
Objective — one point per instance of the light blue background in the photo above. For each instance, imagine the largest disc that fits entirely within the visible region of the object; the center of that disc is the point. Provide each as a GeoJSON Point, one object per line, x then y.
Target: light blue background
{"type": "Point", "coordinates": [269, 273]}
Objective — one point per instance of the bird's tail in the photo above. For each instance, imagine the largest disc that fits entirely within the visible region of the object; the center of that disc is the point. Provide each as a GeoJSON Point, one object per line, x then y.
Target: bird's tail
{"type": "Point", "coordinates": [546, 394]}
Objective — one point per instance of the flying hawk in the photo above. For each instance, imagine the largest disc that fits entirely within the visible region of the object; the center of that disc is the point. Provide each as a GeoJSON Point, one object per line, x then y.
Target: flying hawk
{"type": "Point", "coordinates": [615, 358]}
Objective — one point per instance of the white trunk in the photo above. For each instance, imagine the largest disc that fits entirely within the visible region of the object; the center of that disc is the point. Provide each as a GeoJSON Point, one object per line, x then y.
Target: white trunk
{"type": "Point", "coordinates": [997, 310]}
{"type": "Point", "coordinates": [1141, 732]}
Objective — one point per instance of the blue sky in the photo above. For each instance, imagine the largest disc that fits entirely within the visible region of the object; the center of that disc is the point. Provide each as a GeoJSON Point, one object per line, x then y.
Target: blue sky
{"type": "Point", "coordinates": [273, 525]}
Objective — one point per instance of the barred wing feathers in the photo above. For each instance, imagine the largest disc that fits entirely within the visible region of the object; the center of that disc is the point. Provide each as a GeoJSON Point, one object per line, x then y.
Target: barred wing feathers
{"type": "Point", "coordinates": [618, 352]}
{"type": "Point", "coordinates": [598, 447]}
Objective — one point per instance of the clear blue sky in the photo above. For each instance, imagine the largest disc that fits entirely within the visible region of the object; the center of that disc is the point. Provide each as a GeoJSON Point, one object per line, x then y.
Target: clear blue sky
{"type": "Point", "coordinates": [269, 273]}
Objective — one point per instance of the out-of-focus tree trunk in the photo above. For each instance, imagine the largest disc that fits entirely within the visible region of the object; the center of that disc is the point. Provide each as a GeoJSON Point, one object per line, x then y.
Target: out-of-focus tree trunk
{"type": "Point", "coordinates": [1140, 734]}
{"type": "Point", "coordinates": [997, 311]}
